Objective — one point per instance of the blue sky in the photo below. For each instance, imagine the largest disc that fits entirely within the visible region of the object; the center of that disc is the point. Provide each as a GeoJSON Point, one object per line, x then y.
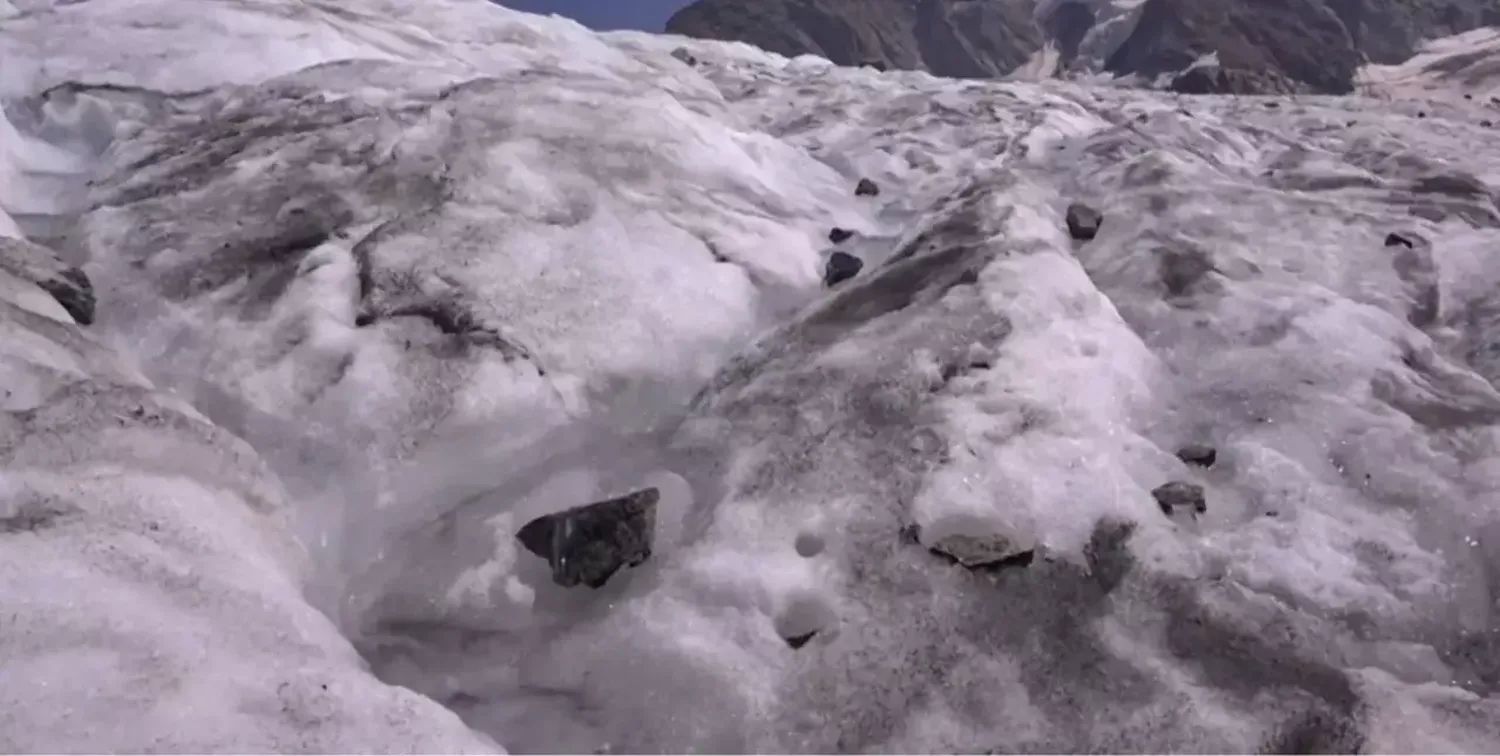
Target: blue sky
{"type": "Point", "coordinates": [650, 15]}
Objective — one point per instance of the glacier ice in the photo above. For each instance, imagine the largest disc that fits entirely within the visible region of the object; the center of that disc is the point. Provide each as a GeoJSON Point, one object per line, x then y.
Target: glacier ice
{"type": "Point", "coordinates": [378, 283]}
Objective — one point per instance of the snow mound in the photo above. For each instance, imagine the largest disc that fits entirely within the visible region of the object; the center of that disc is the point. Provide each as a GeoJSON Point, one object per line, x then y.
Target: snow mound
{"type": "Point", "coordinates": [1218, 475]}
{"type": "Point", "coordinates": [1467, 63]}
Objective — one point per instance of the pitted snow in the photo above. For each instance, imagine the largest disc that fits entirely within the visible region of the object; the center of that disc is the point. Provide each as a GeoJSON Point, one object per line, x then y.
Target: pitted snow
{"type": "Point", "coordinates": [615, 225]}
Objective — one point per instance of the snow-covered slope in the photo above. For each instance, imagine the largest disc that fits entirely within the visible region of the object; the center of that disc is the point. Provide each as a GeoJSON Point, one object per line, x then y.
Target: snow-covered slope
{"type": "Point", "coordinates": [405, 276]}
{"type": "Point", "coordinates": [1467, 63]}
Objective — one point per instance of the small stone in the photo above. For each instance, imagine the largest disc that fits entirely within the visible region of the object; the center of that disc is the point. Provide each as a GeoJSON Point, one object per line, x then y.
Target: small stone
{"type": "Point", "coordinates": [1394, 239]}
{"type": "Point", "coordinates": [1083, 221]}
{"type": "Point", "coordinates": [1487, 123]}
{"type": "Point", "coordinates": [1421, 114]}
{"type": "Point", "coordinates": [1180, 494]}
{"type": "Point", "coordinates": [981, 550]}
{"type": "Point", "coordinates": [841, 266]}
{"type": "Point", "coordinates": [1201, 455]}
{"type": "Point", "coordinates": [866, 188]}
{"type": "Point", "coordinates": [798, 641]}
{"type": "Point", "coordinates": [839, 235]}
{"type": "Point", "coordinates": [587, 545]}
{"type": "Point", "coordinates": [683, 55]}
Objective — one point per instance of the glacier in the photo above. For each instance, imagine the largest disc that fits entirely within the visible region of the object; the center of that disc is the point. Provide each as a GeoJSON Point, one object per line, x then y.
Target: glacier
{"type": "Point", "coordinates": [309, 306]}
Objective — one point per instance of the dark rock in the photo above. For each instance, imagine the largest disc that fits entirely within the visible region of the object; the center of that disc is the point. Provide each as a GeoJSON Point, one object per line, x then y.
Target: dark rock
{"type": "Point", "coordinates": [1083, 221]}
{"type": "Point", "coordinates": [1269, 46]}
{"type": "Point", "coordinates": [1180, 495]}
{"type": "Point", "coordinates": [841, 266]}
{"type": "Point", "coordinates": [1108, 552]}
{"type": "Point", "coordinates": [798, 641]}
{"type": "Point", "coordinates": [981, 551]}
{"type": "Point", "coordinates": [839, 235]}
{"type": "Point", "coordinates": [1394, 239]}
{"type": "Point", "coordinates": [1487, 123]}
{"type": "Point", "coordinates": [878, 65]}
{"type": "Point", "coordinates": [1068, 24]}
{"type": "Point", "coordinates": [1201, 455]}
{"type": "Point", "coordinates": [866, 188]}
{"type": "Point", "coordinates": [683, 55]}
{"type": "Point", "coordinates": [1421, 114]}
{"type": "Point", "coordinates": [69, 285]}
{"type": "Point", "coordinates": [73, 290]}
{"type": "Point", "coordinates": [589, 544]}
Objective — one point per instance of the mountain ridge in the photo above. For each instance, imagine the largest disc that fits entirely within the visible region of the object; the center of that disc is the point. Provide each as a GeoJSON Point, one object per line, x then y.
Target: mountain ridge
{"type": "Point", "coordinates": [1274, 46]}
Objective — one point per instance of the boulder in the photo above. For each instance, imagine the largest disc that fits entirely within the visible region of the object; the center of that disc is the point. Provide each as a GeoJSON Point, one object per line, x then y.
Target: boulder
{"type": "Point", "coordinates": [587, 545]}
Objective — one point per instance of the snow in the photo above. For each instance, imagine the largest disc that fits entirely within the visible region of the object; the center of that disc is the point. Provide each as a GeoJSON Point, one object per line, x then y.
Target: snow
{"type": "Point", "coordinates": [1448, 66]}
{"type": "Point", "coordinates": [380, 283]}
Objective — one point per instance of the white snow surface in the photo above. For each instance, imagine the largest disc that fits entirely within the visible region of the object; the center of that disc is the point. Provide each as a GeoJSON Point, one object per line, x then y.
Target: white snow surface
{"type": "Point", "coordinates": [380, 282]}
{"type": "Point", "coordinates": [1463, 64]}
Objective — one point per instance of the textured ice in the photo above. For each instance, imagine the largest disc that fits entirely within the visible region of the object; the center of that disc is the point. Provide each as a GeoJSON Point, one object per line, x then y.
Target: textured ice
{"type": "Point", "coordinates": [379, 283]}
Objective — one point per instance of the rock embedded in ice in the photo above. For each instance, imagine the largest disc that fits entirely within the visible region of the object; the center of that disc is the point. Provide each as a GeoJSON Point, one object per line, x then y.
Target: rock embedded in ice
{"type": "Point", "coordinates": [976, 543]}
{"type": "Point", "coordinates": [866, 188]}
{"type": "Point", "coordinates": [1394, 239]}
{"type": "Point", "coordinates": [841, 266]}
{"type": "Point", "coordinates": [839, 235]}
{"type": "Point", "coordinates": [1083, 221]}
{"type": "Point", "coordinates": [1201, 455]}
{"type": "Point", "coordinates": [39, 265]}
{"type": "Point", "coordinates": [587, 545]}
{"type": "Point", "coordinates": [798, 641]}
{"type": "Point", "coordinates": [1179, 495]}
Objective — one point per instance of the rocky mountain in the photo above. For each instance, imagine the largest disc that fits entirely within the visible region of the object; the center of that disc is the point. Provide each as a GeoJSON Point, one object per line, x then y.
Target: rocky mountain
{"type": "Point", "coordinates": [1257, 45]}
{"type": "Point", "coordinates": [380, 376]}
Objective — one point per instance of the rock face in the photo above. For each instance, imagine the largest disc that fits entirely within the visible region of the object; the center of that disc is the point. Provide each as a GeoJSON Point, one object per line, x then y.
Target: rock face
{"type": "Point", "coordinates": [1270, 47]}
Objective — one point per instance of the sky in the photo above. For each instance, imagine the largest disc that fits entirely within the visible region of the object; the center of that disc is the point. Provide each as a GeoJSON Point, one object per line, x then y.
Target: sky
{"type": "Point", "coordinates": [650, 15]}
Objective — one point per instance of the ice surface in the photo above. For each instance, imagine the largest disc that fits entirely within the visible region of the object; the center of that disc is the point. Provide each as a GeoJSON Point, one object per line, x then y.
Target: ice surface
{"type": "Point", "coordinates": [406, 276]}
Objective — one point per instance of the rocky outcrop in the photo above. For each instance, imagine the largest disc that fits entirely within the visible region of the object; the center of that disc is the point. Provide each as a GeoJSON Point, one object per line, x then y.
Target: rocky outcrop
{"type": "Point", "coordinates": [1302, 41]}
{"type": "Point", "coordinates": [956, 39]}
{"type": "Point", "coordinates": [1270, 46]}
{"type": "Point", "coordinates": [22, 261]}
